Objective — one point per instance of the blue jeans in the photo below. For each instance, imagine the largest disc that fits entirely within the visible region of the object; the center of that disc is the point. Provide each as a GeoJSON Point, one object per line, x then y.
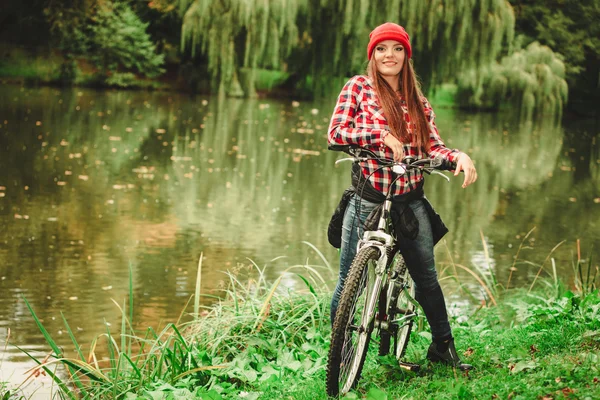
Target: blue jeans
{"type": "Point", "coordinates": [418, 254]}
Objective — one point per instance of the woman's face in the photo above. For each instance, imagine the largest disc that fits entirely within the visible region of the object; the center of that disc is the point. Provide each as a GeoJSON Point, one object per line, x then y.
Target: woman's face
{"type": "Point", "coordinates": [389, 57]}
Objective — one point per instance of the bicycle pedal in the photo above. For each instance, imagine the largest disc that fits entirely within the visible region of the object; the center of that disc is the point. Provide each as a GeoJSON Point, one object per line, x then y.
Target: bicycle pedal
{"type": "Point", "coordinates": [409, 366]}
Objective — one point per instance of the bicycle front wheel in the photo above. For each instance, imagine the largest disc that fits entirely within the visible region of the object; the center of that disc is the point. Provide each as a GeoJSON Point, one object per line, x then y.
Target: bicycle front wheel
{"type": "Point", "coordinates": [353, 323]}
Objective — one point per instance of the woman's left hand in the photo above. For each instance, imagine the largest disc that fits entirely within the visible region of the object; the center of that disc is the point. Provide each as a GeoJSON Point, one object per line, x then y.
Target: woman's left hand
{"type": "Point", "coordinates": [464, 163]}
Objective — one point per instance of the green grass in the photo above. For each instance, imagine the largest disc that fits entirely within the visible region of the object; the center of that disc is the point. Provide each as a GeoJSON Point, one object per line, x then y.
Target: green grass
{"type": "Point", "coordinates": [20, 64]}
{"type": "Point", "coordinates": [264, 341]}
{"type": "Point", "coordinates": [444, 96]}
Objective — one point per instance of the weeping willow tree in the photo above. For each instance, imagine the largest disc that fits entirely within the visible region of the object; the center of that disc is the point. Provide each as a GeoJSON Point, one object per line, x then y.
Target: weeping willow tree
{"type": "Point", "coordinates": [239, 36]}
{"type": "Point", "coordinates": [531, 79]}
{"type": "Point", "coordinates": [325, 39]}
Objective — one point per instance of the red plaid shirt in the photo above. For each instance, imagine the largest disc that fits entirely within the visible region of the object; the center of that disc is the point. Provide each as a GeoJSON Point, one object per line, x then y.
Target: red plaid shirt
{"type": "Point", "coordinates": [358, 120]}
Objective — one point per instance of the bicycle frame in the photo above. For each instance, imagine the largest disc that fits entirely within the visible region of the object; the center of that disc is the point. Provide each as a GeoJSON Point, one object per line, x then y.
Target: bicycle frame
{"type": "Point", "coordinates": [380, 286]}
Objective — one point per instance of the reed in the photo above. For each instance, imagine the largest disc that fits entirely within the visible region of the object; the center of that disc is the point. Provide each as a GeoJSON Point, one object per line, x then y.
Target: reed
{"type": "Point", "coordinates": [264, 339]}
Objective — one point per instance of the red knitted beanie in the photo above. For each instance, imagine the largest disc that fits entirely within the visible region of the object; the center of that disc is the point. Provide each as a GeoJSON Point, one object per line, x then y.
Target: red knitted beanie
{"type": "Point", "coordinates": [389, 31]}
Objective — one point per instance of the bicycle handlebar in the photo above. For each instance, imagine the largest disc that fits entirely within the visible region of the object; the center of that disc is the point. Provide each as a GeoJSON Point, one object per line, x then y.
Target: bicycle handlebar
{"type": "Point", "coordinates": [428, 165]}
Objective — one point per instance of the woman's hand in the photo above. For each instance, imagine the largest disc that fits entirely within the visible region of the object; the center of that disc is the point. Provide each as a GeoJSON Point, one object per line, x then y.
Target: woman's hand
{"type": "Point", "coordinates": [394, 145]}
{"type": "Point", "coordinates": [464, 163]}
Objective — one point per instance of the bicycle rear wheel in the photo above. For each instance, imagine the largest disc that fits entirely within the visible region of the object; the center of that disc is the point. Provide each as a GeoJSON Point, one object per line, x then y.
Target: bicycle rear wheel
{"type": "Point", "coordinates": [405, 313]}
{"type": "Point", "coordinates": [353, 323]}
{"type": "Point", "coordinates": [399, 314]}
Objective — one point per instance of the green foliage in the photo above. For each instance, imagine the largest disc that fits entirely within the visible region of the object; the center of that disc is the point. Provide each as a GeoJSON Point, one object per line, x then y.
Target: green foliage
{"type": "Point", "coordinates": [569, 27]}
{"type": "Point", "coordinates": [118, 39]}
{"type": "Point", "coordinates": [268, 343]}
{"type": "Point", "coordinates": [448, 35]}
{"type": "Point", "coordinates": [121, 79]}
{"type": "Point", "coordinates": [248, 341]}
{"type": "Point", "coordinates": [69, 72]}
{"type": "Point", "coordinates": [531, 80]}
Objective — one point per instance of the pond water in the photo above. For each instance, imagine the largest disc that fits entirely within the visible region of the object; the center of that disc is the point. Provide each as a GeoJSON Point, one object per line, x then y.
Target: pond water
{"type": "Point", "coordinates": [95, 183]}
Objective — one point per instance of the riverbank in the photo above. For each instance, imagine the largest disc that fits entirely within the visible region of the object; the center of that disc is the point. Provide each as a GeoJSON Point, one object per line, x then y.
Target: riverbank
{"type": "Point", "coordinates": [43, 67]}
{"type": "Point", "coordinates": [265, 341]}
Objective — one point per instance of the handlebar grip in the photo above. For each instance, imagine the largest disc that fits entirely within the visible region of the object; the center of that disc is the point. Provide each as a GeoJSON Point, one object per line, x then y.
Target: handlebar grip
{"type": "Point", "coordinates": [448, 165]}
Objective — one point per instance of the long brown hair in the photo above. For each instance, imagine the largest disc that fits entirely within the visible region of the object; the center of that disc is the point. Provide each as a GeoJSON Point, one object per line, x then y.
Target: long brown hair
{"type": "Point", "coordinates": [410, 91]}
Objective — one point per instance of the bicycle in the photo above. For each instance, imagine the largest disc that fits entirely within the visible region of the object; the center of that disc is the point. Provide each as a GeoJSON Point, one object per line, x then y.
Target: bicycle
{"type": "Point", "coordinates": [378, 292]}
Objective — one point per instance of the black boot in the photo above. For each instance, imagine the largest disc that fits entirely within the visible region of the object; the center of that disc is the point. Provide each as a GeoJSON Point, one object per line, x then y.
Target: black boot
{"type": "Point", "coordinates": [450, 356]}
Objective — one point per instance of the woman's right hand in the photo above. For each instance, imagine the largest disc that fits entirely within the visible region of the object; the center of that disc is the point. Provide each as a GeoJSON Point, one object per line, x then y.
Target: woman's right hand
{"type": "Point", "coordinates": [394, 145]}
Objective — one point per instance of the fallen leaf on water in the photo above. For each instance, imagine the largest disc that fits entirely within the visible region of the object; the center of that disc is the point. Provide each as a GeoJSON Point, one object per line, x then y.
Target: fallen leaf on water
{"type": "Point", "coordinates": [2, 187]}
{"type": "Point", "coordinates": [106, 287]}
{"type": "Point", "coordinates": [597, 200]}
{"type": "Point", "coordinates": [307, 152]}
{"type": "Point", "coordinates": [83, 177]}
{"type": "Point", "coordinates": [68, 172]}
{"type": "Point", "coordinates": [2, 194]}
{"type": "Point", "coordinates": [61, 183]}
{"type": "Point", "coordinates": [295, 104]}
{"type": "Point", "coordinates": [572, 199]}
{"type": "Point", "coordinates": [52, 219]}
{"type": "Point", "coordinates": [73, 298]}
{"type": "Point", "coordinates": [143, 170]}
{"type": "Point", "coordinates": [161, 130]}
{"type": "Point", "coordinates": [128, 129]}
{"type": "Point", "coordinates": [64, 143]}
{"type": "Point", "coordinates": [114, 138]}
{"type": "Point", "coordinates": [38, 123]}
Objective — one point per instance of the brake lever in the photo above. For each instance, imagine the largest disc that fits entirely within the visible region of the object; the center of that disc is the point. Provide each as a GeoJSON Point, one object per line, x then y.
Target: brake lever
{"type": "Point", "coordinates": [355, 159]}
{"type": "Point", "coordinates": [433, 171]}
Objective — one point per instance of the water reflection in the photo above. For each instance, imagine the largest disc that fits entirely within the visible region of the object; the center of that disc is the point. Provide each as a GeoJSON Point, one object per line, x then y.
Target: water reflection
{"type": "Point", "coordinates": [93, 182]}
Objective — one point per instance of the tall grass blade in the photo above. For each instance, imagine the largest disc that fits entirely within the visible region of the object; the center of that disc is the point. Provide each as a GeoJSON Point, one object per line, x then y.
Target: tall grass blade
{"type": "Point", "coordinates": [480, 281]}
{"type": "Point", "coordinates": [54, 377]}
{"type": "Point", "coordinates": [111, 348]}
{"type": "Point", "coordinates": [72, 336]}
{"type": "Point", "coordinates": [589, 270]}
{"type": "Point", "coordinates": [312, 246]}
{"type": "Point", "coordinates": [45, 333]}
{"type": "Point", "coordinates": [130, 307]}
{"type": "Point", "coordinates": [513, 268]}
{"type": "Point", "coordinates": [262, 315]}
{"type": "Point", "coordinates": [198, 286]}
{"type": "Point", "coordinates": [79, 352]}
{"type": "Point", "coordinates": [542, 265]}
{"type": "Point", "coordinates": [310, 287]}
{"type": "Point", "coordinates": [555, 276]}
{"type": "Point", "coordinates": [123, 329]}
{"type": "Point", "coordinates": [5, 347]}
{"type": "Point", "coordinates": [261, 273]}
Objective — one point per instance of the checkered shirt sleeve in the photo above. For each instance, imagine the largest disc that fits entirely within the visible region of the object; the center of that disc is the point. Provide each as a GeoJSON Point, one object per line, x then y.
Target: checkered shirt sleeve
{"type": "Point", "coordinates": [358, 120]}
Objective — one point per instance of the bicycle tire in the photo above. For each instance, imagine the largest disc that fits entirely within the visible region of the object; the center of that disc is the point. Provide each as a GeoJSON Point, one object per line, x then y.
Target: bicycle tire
{"type": "Point", "coordinates": [343, 368]}
{"type": "Point", "coordinates": [405, 307]}
{"type": "Point", "coordinates": [385, 336]}
{"type": "Point", "coordinates": [399, 306]}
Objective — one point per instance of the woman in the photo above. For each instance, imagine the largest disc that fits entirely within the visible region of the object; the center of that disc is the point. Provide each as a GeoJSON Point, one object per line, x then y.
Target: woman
{"type": "Point", "coordinates": [386, 113]}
